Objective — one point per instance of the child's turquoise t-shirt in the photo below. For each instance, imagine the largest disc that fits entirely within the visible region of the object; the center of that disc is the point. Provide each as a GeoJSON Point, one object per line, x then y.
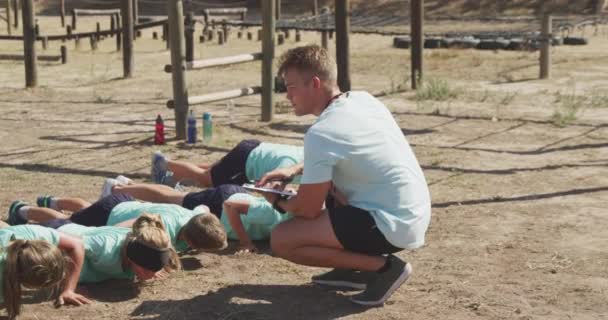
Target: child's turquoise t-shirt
{"type": "Point", "coordinates": [23, 232]}
{"type": "Point", "coordinates": [173, 216]}
{"type": "Point", "coordinates": [269, 156]}
{"type": "Point", "coordinates": [102, 252]}
{"type": "Point", "coordinates": [260, 219]}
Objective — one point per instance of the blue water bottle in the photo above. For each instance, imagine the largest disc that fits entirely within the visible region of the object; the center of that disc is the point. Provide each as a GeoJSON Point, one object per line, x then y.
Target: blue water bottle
{"type": "Point", "coordinates": [191, 128]}
{"type": "Point", "coordinates": [207, 127]}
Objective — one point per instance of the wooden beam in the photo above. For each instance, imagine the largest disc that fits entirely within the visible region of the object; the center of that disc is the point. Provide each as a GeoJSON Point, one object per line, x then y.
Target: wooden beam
{"type": "Point", "coordinates": [127, 38]}
{"type": "Point", "coordinates": [219, 96]}
{"type": "Point", "coordinates": [268, 44]}
{"type": "Point", "coordinates": [20, 57]}
{"type": "Point", "coordinates": [178, 76]}
{"type": "Point", "coordinates": [342, 43]}
{"type": "Point", "coordinates": [222, 61]}
{"type": "Point", "coordinates": [16, 13]}
{"type": "Point", "coordinates": [29, 43]}
{"type": "Point", "coordinates": [96, 12]}
{"type": "Point", "coordinates": [417, 21]}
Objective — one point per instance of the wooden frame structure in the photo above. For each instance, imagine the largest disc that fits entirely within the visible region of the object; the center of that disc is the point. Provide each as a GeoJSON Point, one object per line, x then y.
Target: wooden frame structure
{"type": "Point", "coordinates": [179, 64]}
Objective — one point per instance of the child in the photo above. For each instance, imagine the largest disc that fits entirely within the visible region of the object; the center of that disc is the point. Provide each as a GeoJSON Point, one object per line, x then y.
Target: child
{"type": "Point", "coordinates": [33, 256]}
{"type": "Point", "coordinates": [244, 217]}
{"type": "Point", "coordinates": [111, 252]}
{"type": "Point", "coordinates": [185, 227]}
{"type": "Point", "coordinates": [248, 161]}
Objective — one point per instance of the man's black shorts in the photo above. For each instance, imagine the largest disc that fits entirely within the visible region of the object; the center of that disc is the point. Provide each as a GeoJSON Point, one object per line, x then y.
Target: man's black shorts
{"type": "Point", "coordinates": [356, 230]}
{"type": "Point", "coordinates": [231, 168]}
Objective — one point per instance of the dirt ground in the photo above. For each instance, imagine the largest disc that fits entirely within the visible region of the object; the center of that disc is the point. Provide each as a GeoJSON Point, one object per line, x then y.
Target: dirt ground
{"type": "Point", "coordinates": [517, 168]}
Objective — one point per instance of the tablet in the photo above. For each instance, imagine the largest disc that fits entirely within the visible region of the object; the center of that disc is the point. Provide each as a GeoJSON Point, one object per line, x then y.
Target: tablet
{"type": "Point", "coordinates": [260, 189]}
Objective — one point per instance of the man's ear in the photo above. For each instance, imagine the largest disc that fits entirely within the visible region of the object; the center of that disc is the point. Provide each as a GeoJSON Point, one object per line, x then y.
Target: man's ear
{"type": "Point", "coordinates": [316, 82]}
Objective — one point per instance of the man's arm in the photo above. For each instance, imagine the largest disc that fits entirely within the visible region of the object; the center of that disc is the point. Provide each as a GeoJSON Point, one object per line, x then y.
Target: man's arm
{"type": "Point", "coordinates": [308, 203]}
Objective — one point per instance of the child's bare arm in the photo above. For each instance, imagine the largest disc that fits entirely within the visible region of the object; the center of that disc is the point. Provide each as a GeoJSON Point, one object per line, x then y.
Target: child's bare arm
{"type": "Point", "coordinates": [234, 209]}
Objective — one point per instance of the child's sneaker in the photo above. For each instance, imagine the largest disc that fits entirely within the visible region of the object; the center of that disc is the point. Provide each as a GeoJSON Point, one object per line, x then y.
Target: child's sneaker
{"type": "Point", "coordinates": [14, 218]}
{"type": "Point", "coordinates": [123, 180]}
{"type": "Point", "coordinates": [44, 201]}
{"type": "Point", "coordinates": [345, 278]}
{"type": "Point", "coordinates": [106, 189]}
{"type": "Point", "coordinates": [159, 167]}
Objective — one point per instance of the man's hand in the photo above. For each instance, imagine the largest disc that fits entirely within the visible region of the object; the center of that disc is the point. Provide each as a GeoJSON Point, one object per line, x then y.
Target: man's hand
{"type": "Point", "coordinates": [281, 174]}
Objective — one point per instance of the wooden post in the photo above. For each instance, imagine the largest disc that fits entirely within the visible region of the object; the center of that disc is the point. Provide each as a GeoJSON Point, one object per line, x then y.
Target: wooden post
{"type": "Point", "coordinates": [9, 23]}
{"type": "Point", "coordinates": [112, 25]}
{"type": "Point", "coordinates": [278, 10]}
{"type": "Point", "coordinates": [36, 28]}
{"type": "Point", "coordinates": [93, 42]}
{"type": "Point", "coordinates": [342, 44]}
{"type": "Point", "coordinates": [298, 35]}
{"type": "Point", "coordinates": [268, 27]}
{"type": "Point", "coordinates": [154, 35]}
{"type": "Point", "coordinates": [62, 12]}
{"type": "Point", "coordinates": [225, 30]}
{"type": "Point", "coordinates": [249, 35]}
{"type": "Point", "coordinates": [64, 54]}
{"type": "Point", "coordinates": [45, 42]}
{"type": "Point", "coordinates": [281, 38]}
{"type": "Point", "coordinates": [260, 33]}
{"type": "Point", "coordinates": [189, 34]}
{"type": "Point", "coordinates": [119, 40]}
{"type": "Point", "coordinates": [220, 37]}
{"type": "Point", "coordinates": [29, 43]}
{"type": "Point", "coordinates": [76, 43]}
{"type": "Point", "coordinates": [98, 30]}
{"type": "Point", "coordinates": [315, 7]}
{"type": "Point", "coordinates": [324, 39]}
{"type": "Point", "coordinates": [16, 13]}
{"type": "Point", "coordinates": [127, 37]}
{"type": "Point", "coordinates": [68, 31]}
{"type": "Point", "coordinates": [73, 19]}
{"type": "Point", "coordinates": [417, 20]}
{"type": "Point", "coordinates": [239, 34]}
{"type": "Point", "coordinates": [135, 11]}
{"type": "Point", "coordinates": [545, 48]}
{"type": "Point", "coordinates": [178, 75]}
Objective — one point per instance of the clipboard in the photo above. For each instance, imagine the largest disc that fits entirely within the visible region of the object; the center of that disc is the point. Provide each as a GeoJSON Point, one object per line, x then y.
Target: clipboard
{"type": "Point", "coordinates": [252, 187]}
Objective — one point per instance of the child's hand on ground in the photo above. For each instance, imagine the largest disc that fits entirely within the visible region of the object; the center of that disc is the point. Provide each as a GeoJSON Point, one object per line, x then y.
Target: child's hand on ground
{"type": "Point", "coordinates": [71, 297]}
{"type": "Point", "coordinates": [247, 248]}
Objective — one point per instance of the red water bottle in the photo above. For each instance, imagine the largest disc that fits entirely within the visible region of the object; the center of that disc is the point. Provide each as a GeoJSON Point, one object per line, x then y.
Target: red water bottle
{"type": "Point", "coordinates": [159, 133]}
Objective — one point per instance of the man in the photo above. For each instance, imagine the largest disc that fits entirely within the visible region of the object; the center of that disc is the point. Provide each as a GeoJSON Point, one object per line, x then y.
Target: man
{"type": "Point", "coordinates": [356, 156]}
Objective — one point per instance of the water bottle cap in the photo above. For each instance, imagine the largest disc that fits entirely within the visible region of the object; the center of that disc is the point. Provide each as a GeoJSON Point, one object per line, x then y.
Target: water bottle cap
{"type": "Point", "coordinates": [206, 116]}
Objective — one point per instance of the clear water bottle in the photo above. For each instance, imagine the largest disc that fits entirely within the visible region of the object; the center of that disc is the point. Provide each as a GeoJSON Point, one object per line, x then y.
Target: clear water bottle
{"type": "Point", "coordinates": [191, 128]}
{"type": "Point", "coordinates": [207, 127]}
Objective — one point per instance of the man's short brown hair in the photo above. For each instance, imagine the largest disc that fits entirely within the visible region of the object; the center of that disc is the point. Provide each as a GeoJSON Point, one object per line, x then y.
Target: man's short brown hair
{"type": "Point", "coordinates": [311, 58]}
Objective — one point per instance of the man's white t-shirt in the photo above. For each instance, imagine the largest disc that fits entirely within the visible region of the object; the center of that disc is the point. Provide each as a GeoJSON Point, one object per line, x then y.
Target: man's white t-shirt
{"type": "Point", "coordinates": [356, 144]}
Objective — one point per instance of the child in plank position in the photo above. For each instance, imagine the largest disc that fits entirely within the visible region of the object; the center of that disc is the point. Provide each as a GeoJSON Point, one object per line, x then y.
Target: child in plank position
{"type": "Point", "coordinates": [144, 250]}
{"type": "Point", "coordinates": [35, 257]}
{"type": "Point", "coordinates": [247, 161]}
{"type": "Point", "coordinates": [186, 228]}
{"type": "Point", "coordinates": [243, 216]}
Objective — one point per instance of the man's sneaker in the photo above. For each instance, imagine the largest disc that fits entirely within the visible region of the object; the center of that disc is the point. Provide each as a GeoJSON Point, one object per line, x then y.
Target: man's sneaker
{"type": "Point", "coordinates": [106, 189]}
{"type": "Point", "coordinates": [159, 167]}
{"type": "Point", "coordinates": [44, 201]}
{"type": "Point", "coordinates": [13, 213]}
{"type": "Point", "coordinates": [379, 290]}
{"type": "Point", "coordinates": [123, 180]}
{"type": "Point", "coordinates": [346, 278]}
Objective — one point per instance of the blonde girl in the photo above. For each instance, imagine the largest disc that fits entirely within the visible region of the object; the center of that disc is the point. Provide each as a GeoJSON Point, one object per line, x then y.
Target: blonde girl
{"type": "Point", "coordinates": [33, 257]}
